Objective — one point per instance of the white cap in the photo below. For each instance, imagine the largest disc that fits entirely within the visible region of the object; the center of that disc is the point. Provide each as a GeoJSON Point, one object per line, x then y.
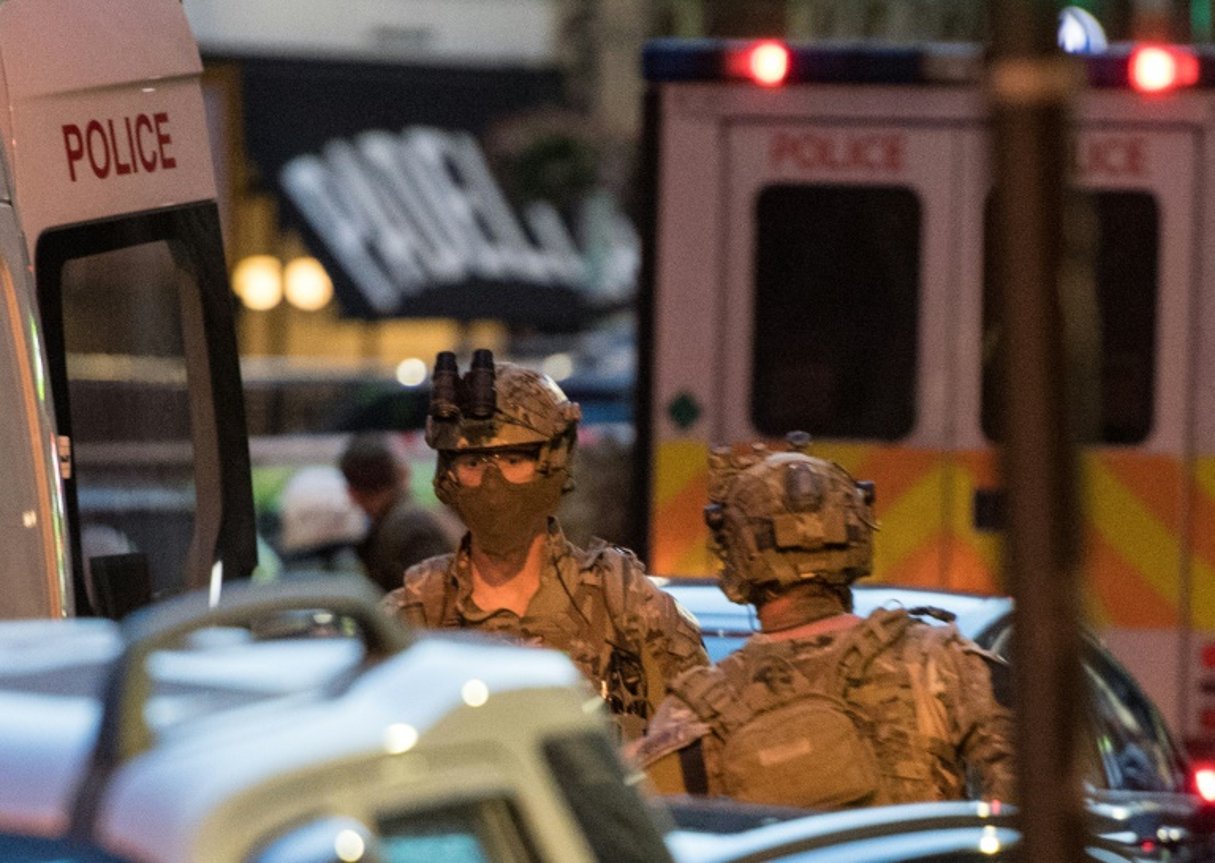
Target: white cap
{"type": "Point", "coordinates": [316, 511]}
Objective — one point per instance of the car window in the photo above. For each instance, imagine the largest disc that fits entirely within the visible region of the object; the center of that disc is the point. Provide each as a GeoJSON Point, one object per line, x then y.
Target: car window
{"type": "Point", "coordinates": [25, 849]}
{"type": "Point", "coordinates": [1138, 753]}
{"type": "Point", "coordinates": [615, 822]}
{"type": "Point", "coordinates": [473, 831]}
{"type": "Point", "coordinates": [486, 831]}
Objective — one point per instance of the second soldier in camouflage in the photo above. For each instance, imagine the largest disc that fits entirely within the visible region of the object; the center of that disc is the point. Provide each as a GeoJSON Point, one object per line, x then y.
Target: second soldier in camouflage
{"type": "Point", "coordinates": [822, 709]}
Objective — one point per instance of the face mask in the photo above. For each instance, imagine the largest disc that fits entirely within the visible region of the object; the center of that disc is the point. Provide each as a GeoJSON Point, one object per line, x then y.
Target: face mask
{"type": "Point", "coordinates": [503, 516]}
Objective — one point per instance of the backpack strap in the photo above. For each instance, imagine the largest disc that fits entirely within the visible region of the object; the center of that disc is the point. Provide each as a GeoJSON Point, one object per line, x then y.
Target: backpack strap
{"type": "Point", "coordinates": [707, 690]}
{"type": "Point", "coordinates": [866, 641]}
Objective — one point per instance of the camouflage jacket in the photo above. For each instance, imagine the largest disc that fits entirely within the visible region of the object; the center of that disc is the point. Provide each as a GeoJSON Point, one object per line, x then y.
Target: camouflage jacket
{"type": "Point", "coordinates": [626, 635]}
{"type": "Point", "coordinates": [921, 695]}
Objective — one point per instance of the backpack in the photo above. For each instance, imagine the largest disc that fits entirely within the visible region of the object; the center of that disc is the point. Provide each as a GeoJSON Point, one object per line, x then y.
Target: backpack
{"type": "Point", "coordinates": [789, 735]}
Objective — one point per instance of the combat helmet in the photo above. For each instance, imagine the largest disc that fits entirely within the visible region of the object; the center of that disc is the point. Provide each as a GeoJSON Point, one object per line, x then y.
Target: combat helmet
{"type": "Point", "coordinates": [498, 406]}
{"type": "Point", "coordinates": [780, 517]}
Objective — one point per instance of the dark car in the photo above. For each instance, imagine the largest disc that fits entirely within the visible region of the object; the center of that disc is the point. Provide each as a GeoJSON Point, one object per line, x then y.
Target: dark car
{"type": "Point", "coordinates": [1130, 755]}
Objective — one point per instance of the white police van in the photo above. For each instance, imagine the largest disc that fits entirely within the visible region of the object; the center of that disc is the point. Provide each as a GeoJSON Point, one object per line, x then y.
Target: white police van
{"type": "Point", "coordinates": [122, 439]}
{"type": "Point", "coordinates": [190, 733]}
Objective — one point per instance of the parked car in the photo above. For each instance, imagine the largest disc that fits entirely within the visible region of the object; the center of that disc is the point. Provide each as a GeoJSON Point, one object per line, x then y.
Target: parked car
{"type": "Point", "coordinates": [957, 832]}
{"type": "Point", "coordinates": [1130, 755]}
{"type": "Point", "coordinates": [296, 723]}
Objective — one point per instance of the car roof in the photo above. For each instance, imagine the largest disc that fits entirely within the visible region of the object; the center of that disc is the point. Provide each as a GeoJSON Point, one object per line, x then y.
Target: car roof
{"type": "Point", "coordinates": [974, 613]}
{"type": "Point", "coordinates": [827, 829]}
{"type": "Point", "coordinates": [919, 831]}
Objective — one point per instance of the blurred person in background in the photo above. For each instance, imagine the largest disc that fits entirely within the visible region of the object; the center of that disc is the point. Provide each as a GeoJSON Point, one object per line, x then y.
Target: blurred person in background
{"type": "Point", "coordinates": [400, 533]}
{"type": "Point", "coordinates": [822, 709]}
{"type": "Point", "coordinates": [505, 437]}
{"type": "Point", "coordinates": [320, 525]}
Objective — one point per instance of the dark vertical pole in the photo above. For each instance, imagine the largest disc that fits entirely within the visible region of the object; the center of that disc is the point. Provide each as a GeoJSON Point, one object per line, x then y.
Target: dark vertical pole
{"type": "Point", "coordinates": [1029, 86]}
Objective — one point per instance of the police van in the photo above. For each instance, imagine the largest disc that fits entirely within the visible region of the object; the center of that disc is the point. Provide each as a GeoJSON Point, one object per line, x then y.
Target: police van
{"type": "Point", "coordinates": [122, 440]}
{"type": "Point", "coordinates": [818, 259]}
{"type": "Point", "coordinates": [298, 723]}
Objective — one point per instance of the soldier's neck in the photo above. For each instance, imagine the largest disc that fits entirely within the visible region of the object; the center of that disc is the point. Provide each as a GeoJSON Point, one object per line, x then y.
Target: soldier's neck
{"type": "Point", "coordinates": [796, 608]}
{"type": "Point", "coordinates": [507, 581]}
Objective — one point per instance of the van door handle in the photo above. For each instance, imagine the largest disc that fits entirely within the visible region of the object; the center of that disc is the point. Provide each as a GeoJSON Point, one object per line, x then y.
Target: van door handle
{"type": "Point", "coordinates": [988, 510]}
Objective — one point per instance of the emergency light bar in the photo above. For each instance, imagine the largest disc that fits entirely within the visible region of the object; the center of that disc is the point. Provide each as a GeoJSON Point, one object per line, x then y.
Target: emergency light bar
{"type": "Point", "coordinates": [1160, 68]}
{"type": "Point", "coordinates": [1148, 69]}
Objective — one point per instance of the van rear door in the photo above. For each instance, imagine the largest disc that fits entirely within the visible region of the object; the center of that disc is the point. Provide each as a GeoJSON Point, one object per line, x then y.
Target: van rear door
{"type": "Point", "coordinates": [846, 229]}
{"type": "Point", "coordinates": [1132, 344]}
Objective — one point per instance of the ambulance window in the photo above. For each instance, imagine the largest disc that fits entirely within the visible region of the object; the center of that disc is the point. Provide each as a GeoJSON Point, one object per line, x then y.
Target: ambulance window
{"type": "Point", "coordinates": [837, 272]}
{"type": "Point", "coordinates": [1112, 325]}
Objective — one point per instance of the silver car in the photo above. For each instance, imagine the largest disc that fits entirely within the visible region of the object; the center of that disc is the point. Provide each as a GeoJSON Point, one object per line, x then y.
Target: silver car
{"type": "Point", "coordinates": [297, 723]}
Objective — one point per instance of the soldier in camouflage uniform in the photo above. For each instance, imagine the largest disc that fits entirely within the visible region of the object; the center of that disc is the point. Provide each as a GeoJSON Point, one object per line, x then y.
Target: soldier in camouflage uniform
{"type": "Point", "coordinates": [822, 708]}
{"type": "Point", "coordinates": [505, 436]}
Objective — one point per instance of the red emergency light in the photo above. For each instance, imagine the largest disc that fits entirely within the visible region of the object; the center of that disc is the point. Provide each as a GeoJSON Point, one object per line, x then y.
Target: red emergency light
{"type": "Point", "coordinates": [1203, 777]}
{"type": "Point", "coordinates": [764, 62]}
{"type": "Point", "coordinates": [1161, 68]}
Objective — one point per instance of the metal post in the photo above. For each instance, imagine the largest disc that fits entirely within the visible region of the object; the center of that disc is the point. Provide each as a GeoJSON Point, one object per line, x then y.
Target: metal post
{"type": "Point", "coordinates": [1029, 87]}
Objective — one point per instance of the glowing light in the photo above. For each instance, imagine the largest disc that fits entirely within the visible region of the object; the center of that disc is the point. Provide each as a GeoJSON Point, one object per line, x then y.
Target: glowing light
{"type": "Point", "coordinates": [306, 284]}
{"type": "Point", "coordinates": [475, 693]}
{"type": "Point", "coordinates": [558, 366]}
{"type": "Point", "coordinates": [349, 846]}
{"type": "Point", "coordinates": [989, 841]}
{"type": "Point", "coordinates": [1155, 69]}
{"type": "Point", "coordinates": [411, 372]}
{"type": "Point", "coordinates": [769, 63]}
{"type": "Point", "coordinates": [400, 737]}
{"type": "Point", "coordinates": [1204, 782]}
{"type": "Point", "coordinates": [258, 281]}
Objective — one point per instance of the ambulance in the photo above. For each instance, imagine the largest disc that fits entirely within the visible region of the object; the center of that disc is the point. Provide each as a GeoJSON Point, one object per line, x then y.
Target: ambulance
{"type": "Point", "coordinates": [122, 440]}
{"type": "Point", "coordinates": [818, 257]}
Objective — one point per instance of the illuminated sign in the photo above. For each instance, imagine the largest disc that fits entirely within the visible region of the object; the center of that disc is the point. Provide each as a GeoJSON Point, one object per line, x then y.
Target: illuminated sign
{"type": "Point", "coordinates": [406, 213]}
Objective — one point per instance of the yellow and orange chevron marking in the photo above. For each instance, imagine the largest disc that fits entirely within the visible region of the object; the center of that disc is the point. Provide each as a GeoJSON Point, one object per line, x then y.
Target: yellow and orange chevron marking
{"type": "Point", "coordinates": [1137, 572]}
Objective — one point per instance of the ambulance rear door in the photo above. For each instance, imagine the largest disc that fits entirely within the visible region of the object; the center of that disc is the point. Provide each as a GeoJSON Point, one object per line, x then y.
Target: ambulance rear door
{"type": "Point", "coordinates": [827, 303]}
{"type": "Point", "coordinates": [1130, 337]}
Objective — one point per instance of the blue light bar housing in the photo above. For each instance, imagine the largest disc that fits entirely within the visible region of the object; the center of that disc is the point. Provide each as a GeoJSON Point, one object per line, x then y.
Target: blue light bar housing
{"type": "Point", "coordinates": [953, 63]}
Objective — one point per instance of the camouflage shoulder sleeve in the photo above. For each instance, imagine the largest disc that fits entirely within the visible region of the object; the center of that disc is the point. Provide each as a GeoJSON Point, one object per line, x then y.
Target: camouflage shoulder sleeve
{"type": "Point", "coordinates": [420, 600]}
{"type": "Point", "coordinates": [984, 725]}
{"type": "Point", "coordinates": [665, 634]}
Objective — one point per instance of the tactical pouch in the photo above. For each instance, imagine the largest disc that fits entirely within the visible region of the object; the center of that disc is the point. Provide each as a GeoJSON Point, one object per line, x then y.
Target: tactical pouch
{"type": "Point", "coordinates": [831, 768]}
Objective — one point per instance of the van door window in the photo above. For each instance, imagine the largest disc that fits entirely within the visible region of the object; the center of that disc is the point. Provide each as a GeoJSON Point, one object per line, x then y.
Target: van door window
{"type": "Point", "coordinates": [1110, 320]}
{"type": "Point", "coordinates": [146, 389]}
{"type": "Point", "coordinates": [131, 431]}
{"type": "Point", "coordinates": [837, 275]}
